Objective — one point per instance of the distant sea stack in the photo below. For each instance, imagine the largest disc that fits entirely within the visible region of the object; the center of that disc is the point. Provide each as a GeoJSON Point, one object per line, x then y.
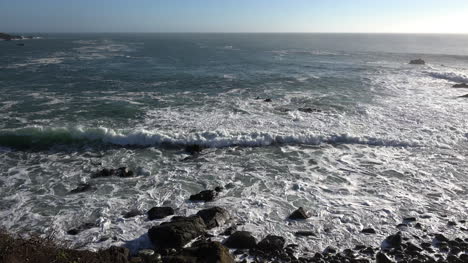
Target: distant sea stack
{"type": "Point", "coordinates": [8, 37]}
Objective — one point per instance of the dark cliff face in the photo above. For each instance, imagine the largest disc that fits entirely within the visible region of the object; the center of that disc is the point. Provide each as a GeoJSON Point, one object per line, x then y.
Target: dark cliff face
{"type": "Point", "coordinates": [8, 37]}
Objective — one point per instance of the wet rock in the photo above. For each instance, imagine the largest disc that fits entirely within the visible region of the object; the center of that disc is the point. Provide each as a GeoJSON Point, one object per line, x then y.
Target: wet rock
{"type": "Point", "coordinates": [83, 227]}
{"type": "Point", "coordinates": [160, 212]}
{"type": "Point", "coordinates": [178, 232]}
{"type": "Point", "coordinates": [309, 110]}
{"type": "Point", "coordinates": [368, 231]}
{"type": "Point", "coordinates": [229, 231]}
{"type": "Point", "coordinates": [393, 241]}
{"type": "Point", "coordinates": [461, 85]}
{"type": "Point", "coordinates": [209, 252]}
{"type": "Point", "coordinates": [382, 258]}
{"type": "Point", "coordinates": [359, 247]}
{"type": "Point", "coordinates": [464, 96]}
{"type": "Point", "coordinates": [132, 213]}
{"type": "Point", "coordinates": [241, 240]}
{"type": "Point", "coordinates": [219, 189]}
{"type": "Point", "coordinates": [417, 62]}
{"type": "Point", "coordinates": [440, 238]}
{"type": "Point", "coordinates": [304, 233]}
{"type": "Point", "coordinates": [299, 214]}
{"type": "Point", "coordinates": [452, 223]}
{"type": "Point", "coordinates": [329, 250]}
{"type": "Point", "coordinates": [271, 243]}
{"type": "Point", "coordinates": [214, 217]}
{"type": "Point", "coordinates": [193, 149]}
{"type": "Point", "coordinates": [120, 172]}
{"type": "Point", "coordinates": [267, 100]}
{"type": "Point", "coordinates": [205, 196]}
{"type": "Point", "coordinates": [409, 219]}
{"type": "Point", "coordinates": [82, 187]}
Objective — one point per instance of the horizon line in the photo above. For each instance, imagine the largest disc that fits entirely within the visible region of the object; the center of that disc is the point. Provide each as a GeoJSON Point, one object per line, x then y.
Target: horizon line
{"type": "Point", "coordinates": [237, 32]}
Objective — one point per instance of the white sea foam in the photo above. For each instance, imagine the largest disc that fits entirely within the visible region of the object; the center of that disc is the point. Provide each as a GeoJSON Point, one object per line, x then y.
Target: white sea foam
{"type": "Point", "coordinates": [454, 76]}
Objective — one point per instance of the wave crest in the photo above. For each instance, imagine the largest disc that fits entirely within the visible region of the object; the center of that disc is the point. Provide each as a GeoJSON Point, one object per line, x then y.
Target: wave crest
{"type": "Point", "coordinates": [450, 76]}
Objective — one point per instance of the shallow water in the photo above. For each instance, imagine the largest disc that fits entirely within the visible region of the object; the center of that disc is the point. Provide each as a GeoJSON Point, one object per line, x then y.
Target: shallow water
{"type": "Point", "coordinates": [389, 140]}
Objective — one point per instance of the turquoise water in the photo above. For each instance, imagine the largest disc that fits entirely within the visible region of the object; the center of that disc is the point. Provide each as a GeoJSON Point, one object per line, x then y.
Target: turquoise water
{"type": "Point", "coordinates": [384, 140]}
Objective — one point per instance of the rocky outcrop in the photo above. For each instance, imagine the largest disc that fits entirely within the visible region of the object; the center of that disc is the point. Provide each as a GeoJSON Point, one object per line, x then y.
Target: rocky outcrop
{"type": "Point", "coordinates": [241, 240]}
{"type": "Point", "coordinates": [177, 233]}
{"type": "Point", "coordinates": [417, 62]}
{"type": "Point", "coordinates": [160, 212]}
{"type": "Point", "coordinates": [9, 37]}
{"type": "Point", "coordinates": [271, 243]}
{"type": "Point", "coordinates": [214, 217]}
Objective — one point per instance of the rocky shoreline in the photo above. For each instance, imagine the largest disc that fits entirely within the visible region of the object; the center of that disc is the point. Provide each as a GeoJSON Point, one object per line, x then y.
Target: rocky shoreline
{"type": "Point", "coordinates": [186, 239]}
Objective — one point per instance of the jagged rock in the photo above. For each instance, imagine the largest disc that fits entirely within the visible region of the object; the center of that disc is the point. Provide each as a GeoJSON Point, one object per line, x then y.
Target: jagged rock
{"type": "Point", "coordinates": [461, 85]}
{"type": "Point", "coordinates": [132, 213]}
{"type": "Point", "coordinates": [205, 196]}
{"type": "Point", "coordinates": [417, 62]}
{"type": "Point", "coordinates": [206, 252]}
{"type": "Point", "coordinates": [178, 232]}
{"type": "Point", "coordinates": [82, 187]}
{"type": "Point", "coordinates": [214, 217]}
{"type": "Point", "coordinates": [299, 214]}
{"type": "Point", "coordinates": [271, 243]}
{"type": "Point", "coordinates": [241, 239]}
{"type": "Point", "coordinates": [160, 212]}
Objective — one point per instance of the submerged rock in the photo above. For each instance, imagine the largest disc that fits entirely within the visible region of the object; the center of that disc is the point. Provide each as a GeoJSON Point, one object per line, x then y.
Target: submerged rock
{"type": "Point", "coordinates": [461, 85]}
{"type": "Point", "coordinates": [214, 217]}
{"type": "Point", "coordinates": [382, 258]}
{"type": "Point", "coordinates": [304, 233]}
{"type": "Point", "coordinates": [393, 241]}
{"type": "Point", "coordinates": [132, 213]}
{"type": "Point", "coordinates": [205, 196]}
{"type": "Point", "coordinates": [267, 100]}
{"type": "Point", "coordinates": [368, 231]}
{"type": "Point", "coordinates": [464, 96]}
{"type": "Point", "coordinates": [417, 62]}
{"type": "Point", "coordinates": [193, 149]}
{"type": "Point", "coordinates": [241, 240]}
{"type": "Point", "coordinates": [309, 110]}
{"type": "Point", "coordinates": [160, 212]}
{"type": "Point", "coordinates": [299, 214]}
{"type": "Point", "coordinates": [82, 187]}
{"type": "Point", "coordinates": [83, 227]}
{"type": "Point", "coordinates": [178, 232]}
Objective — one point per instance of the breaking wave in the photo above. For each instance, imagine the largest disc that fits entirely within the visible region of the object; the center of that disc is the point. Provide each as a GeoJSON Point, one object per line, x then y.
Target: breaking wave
{"type": "Point", "coordinates": [450, 76]}
{"type": "Point", "coordinates": [48, 136]}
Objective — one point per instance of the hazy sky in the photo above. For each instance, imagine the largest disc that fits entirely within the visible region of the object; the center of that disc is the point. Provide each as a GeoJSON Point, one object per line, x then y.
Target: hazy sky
{"type": "Point", "coordinates": [423, 16]}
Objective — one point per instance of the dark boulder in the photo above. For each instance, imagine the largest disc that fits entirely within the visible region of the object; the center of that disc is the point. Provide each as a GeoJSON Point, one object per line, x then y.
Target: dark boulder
{"type": "Point", "coordinates": [267, 100]}
{"type": "Point", "coordinates": [464, 96]}
{"type": "Point", "coordinates": [417, 62]}
{"type": "Point", "coordinates": [82, 187]}
{"type": "Point", "coordinates": [207, 252]}
{"type": "Point", "coordinates": [160, 212]}
{"type": "Point", "coordinates": [299, 214]}
{"type": "Point", "coordinates": [178, 232]}
{"type": "Point", "coordinates": [461, 85]}
{"type": "Point", "coordinates": [214, 217]}
{"type": "Point", "coordinates": [229, 231]}
{"type": "Point", "coordinates": [241, 240]}
{"type": "Point", "coordinates": [271, 243]}
{"type": "Point", "coordinates": [219, 189]}
{"type": "Point", "coordinates": [205, 196]}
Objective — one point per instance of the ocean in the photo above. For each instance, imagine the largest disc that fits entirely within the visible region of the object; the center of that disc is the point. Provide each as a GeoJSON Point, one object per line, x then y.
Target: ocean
{"type": "Point", "coordinates": [340, 124]}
